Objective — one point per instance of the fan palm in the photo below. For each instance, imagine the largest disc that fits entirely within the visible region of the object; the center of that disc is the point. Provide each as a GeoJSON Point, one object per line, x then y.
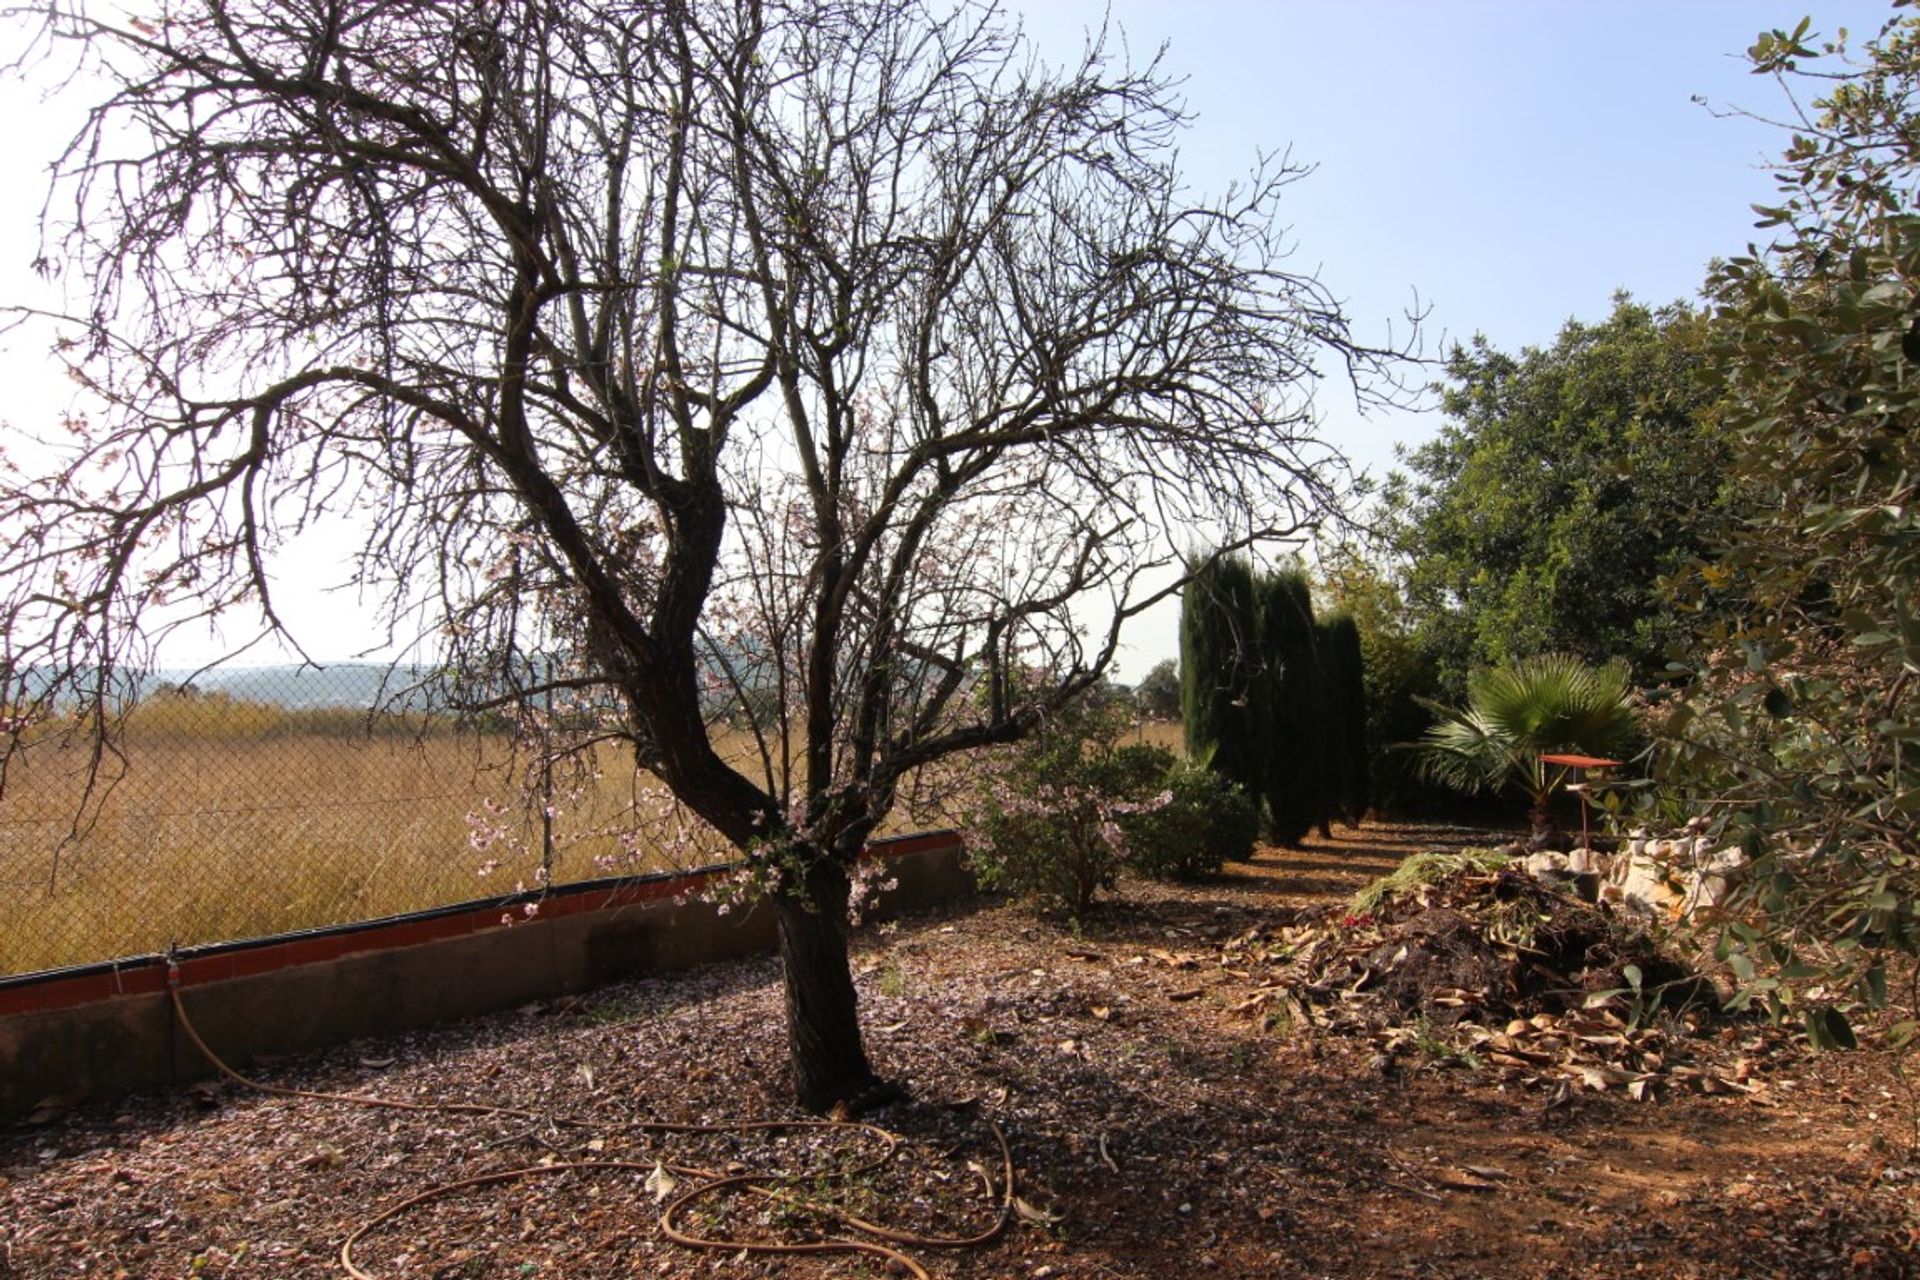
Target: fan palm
{"type": "Point", "coordinates": [1548, 703]}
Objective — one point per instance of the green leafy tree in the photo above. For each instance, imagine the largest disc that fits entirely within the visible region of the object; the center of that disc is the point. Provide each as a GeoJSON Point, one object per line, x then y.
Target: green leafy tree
{"type": "Point", "coordinates": [1199, 823]}
{"type": "Point", "coordinates": [1548, 703]}
{"type": "Point", "coordinates": [1801, 732]}
{"type": "Point", "coordinates": [1397, 670]}
{"type": "Point", "coordinates": [1158, 693]}
{"type": "Point", "coordinates": [1058, 817]}
{"type": "Point", "coordinates": [1566, 482]}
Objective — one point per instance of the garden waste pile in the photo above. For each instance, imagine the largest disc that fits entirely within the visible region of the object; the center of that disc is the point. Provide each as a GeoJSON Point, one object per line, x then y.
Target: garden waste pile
{"type": "Point", "coordinates": [1468, 960]}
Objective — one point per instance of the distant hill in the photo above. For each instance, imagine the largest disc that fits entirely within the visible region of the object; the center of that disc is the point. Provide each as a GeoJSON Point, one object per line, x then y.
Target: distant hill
{"type": "Point", "coordinates": [346, 684]}
{"type": "Point", "coordinates": [356, 685]}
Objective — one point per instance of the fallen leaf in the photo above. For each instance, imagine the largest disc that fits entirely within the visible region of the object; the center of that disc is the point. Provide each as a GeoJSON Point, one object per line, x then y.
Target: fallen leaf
{"type": "Point", "coordinates": [1039, 1217]}
{"type": "Point", "coordinates": [1500, 1059]}
{"type": "Point", "coordinates": [660, 1183]}
{"type": "Point", "coordinates": [46, 1112]}
{"type": "Point", "coordinates": [981, 1172]}
{"type": "Point", "coordinates": [1598, 1078]}
{"type": "Point", "coordinates": [325, 1156]}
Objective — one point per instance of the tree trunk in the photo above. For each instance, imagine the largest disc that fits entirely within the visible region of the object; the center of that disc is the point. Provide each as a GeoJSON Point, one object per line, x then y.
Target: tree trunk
{"type": "Point", "coordinates": [1540, 816]}
{"type": "Point", "coordinates": [823, 1023]}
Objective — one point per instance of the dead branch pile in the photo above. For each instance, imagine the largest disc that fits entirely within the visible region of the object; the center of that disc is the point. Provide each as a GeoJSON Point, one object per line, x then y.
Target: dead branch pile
{"type": "Point", "coordinates": [1469, 960]}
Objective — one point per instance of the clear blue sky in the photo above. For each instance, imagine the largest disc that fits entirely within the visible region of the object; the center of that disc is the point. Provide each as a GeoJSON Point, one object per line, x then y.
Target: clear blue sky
{"type": "Point", "coordinates": [1514, 161]}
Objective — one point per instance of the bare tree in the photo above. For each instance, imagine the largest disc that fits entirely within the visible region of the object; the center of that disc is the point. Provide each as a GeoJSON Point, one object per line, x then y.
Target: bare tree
{"type": "Point", "coordinates": [828, 366]}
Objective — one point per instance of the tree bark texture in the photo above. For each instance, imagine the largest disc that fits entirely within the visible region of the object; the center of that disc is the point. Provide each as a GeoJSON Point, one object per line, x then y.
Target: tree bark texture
{"type": "Point", "coordinates": [823, 1025]}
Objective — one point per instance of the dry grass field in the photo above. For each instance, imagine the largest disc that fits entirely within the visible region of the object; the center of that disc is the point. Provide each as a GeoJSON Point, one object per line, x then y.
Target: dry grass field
{"type": "Point", "coordinates": [241, 820]}
{"type": "Point", "coordinates": [205, 839]}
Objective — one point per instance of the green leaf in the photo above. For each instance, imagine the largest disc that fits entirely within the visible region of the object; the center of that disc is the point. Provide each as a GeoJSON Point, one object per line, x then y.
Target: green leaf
{"type": "Point", "coordinates": [1837, 1032]}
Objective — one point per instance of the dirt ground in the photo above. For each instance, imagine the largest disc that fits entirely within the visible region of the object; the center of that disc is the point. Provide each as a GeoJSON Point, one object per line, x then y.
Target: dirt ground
{"type": "Point", "coordinates": [1155, 1129]}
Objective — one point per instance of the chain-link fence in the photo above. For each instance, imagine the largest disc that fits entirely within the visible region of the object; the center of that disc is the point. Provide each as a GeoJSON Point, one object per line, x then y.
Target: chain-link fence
{"type": "Point", "coordinates": [254, 802]}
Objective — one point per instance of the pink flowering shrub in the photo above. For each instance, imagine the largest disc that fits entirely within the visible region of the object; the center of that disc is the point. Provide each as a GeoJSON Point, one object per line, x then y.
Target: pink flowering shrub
{"type": "Point", "coordinates": [1051, 823]}
{"type": "Point", "coordinates": [1051, 816]}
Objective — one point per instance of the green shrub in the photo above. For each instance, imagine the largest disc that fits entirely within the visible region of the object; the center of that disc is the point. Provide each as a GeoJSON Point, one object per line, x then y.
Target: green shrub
{"type": "Point", "coordinates": [1204, 822]}
{"type": "Point", "coordinates": [1048, 822]}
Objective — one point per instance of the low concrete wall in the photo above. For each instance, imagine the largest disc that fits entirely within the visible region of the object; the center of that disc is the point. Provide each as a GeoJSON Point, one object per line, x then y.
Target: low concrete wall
{"type": "Point", "coordinates": [81, 1034]}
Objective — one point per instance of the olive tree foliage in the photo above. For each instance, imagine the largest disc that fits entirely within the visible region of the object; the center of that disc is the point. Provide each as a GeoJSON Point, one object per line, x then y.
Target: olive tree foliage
{"type": "Point", "coordinates": [1801, 731]}
{"type": "Point", "coordinates": [838, 352]}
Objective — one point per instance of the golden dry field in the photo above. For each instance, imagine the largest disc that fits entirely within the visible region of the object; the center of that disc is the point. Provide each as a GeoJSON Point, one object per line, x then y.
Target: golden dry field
{"type": "Point", "coordinates": [201, 839]}
{"type": "Point", "coordinates": [258, 821]}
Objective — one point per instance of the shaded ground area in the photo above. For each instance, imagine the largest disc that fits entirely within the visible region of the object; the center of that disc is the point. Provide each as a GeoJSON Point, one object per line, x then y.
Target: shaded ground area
{"type": "Point", "coordinates": [1169, 1132]}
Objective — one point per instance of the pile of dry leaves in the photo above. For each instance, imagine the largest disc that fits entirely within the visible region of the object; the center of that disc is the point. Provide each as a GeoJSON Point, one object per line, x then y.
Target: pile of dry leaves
{"type": "Point", "coordinates": [1466, 956]}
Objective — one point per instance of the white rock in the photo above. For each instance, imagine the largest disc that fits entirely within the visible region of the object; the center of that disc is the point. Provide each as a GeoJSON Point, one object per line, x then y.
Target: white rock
{"type": "Point", "coordinates": [1546, 863]}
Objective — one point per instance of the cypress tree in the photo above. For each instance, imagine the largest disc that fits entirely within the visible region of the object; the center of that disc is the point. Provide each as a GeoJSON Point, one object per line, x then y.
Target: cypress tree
{"type": "Point", "coordinates": [1220, 657]}
{"type": "Point", "coordinates": [1296, 775]}
{"type": "Point", "coordinates": [1347, 715]}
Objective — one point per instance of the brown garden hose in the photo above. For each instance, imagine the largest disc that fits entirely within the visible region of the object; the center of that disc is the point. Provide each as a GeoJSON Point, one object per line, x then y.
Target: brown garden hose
{"type": "Point", "coordinates": [863, 1237]}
